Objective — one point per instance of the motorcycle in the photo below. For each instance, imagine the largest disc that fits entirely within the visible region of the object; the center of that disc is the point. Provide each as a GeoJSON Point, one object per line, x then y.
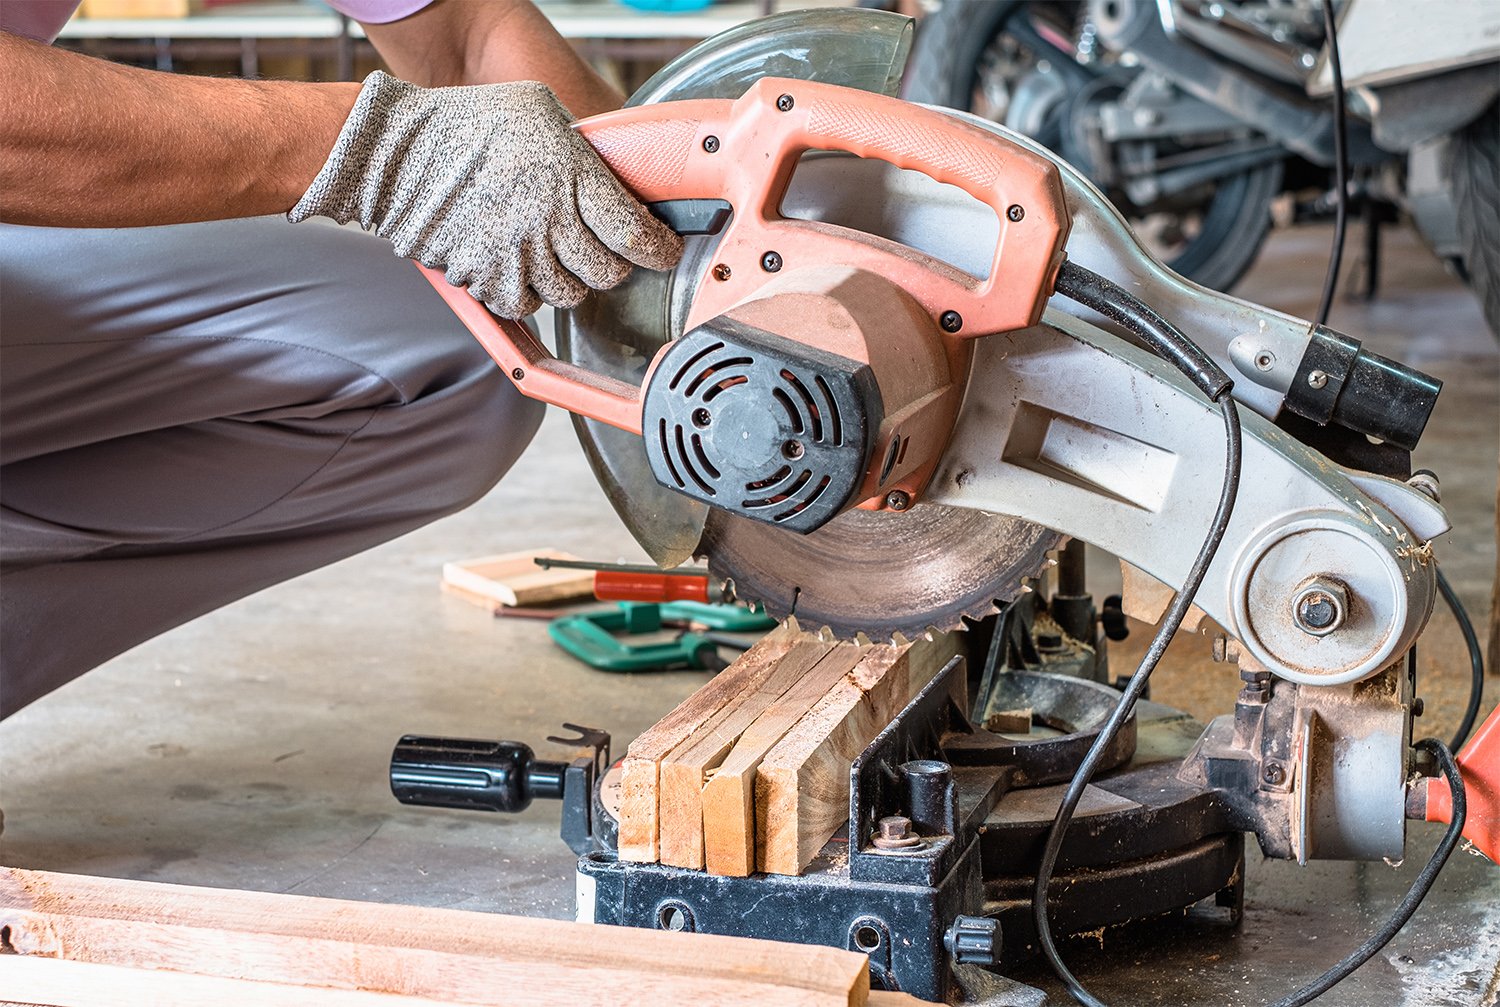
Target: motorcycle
{"type": "Point", "coordinates": [1193, 116]}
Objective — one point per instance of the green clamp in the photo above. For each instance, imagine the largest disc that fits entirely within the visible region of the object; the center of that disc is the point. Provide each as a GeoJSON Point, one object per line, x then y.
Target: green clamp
{"type": "Point", "coordinates": [597, 638]}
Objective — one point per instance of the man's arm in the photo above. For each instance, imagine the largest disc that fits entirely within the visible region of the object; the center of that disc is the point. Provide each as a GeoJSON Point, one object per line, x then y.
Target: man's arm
{"type": "Point", "coordinates": [87, 143]}
{"type": "Point", "coordinates": [456, 42]}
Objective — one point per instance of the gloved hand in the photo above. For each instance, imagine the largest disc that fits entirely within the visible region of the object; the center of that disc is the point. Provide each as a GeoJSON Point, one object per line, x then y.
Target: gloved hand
{"type": "Point", "coordinates": [490, 184]}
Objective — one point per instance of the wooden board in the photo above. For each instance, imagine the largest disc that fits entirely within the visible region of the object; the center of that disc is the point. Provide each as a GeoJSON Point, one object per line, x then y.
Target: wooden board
{"type": "Point", "coordinates": [441, 955]}
{"type": "Point", "coordinates": [685, 769]}
{"type": "Point", "coordinates": [728, 798]}
{"type": "Point", "coordinates": [639, 778]}
{"type": "Point", "coordinates": [514, 580]}
{"type": "Point", "coordinates": [802, 784]}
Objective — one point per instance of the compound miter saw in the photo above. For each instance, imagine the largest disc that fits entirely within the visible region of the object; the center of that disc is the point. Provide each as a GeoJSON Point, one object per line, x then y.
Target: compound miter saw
{"type": "Point", "coordinates": [907, 356]}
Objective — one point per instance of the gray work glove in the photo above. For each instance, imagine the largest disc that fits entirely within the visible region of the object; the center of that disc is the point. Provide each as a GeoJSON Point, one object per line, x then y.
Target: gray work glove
{"type": "Point", "coordinates": [490, 184]}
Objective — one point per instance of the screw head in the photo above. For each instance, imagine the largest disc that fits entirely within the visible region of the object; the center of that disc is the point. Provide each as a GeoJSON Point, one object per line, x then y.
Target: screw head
{"type": "Point", "coordinates": [1317, 379]}
{"type": "Point", "coordinates": [701, 417]}
{"type": "Point", "coordinates": [1320, 607]}
{"type": "Point", "coordinates": [1273, 774]}
{"type": "Point", "coordinates": [721, 272]}
{"type": "Point", "coordinates": [1264, 360]}
{"type": "Point", "coordinates": [519, 374]}
{"type": "Point", "coordinates": [785, 103]}
{"type": "Point", "coordinates": [1015, 212]}
{"type": "Point", "coordinates": [951, 321]}
{"type": "Point", "coordinates": [771, 262]}
{"type": "Point", "coordinates": [711, 144]}
{"type": "Point", "coordinates": [898, 500]}
{"type": "Point", "coordinates": [793, 450]}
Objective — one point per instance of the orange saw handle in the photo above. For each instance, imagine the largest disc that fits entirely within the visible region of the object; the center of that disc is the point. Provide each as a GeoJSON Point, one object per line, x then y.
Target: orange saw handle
{"type": "Point", "coordinates": [745, 152]}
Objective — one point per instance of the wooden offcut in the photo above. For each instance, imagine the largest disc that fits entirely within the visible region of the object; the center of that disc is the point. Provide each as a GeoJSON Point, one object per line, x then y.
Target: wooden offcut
{"type": "Point", "coordinates": [686, 768]}
{"type": "Point", "coordinates": [514, 580]}
{"type": "Point", "coordinates": [802, 783]}
{"type": "Point", "coordinates": [728, 797]}
{"type": "Point", "coordinates": [100, 941]}
{"type": "Point", "coordinates": [639, 778]}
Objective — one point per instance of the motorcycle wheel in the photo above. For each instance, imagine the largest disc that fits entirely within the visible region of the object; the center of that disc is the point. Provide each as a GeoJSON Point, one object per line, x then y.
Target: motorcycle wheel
{"type": "Point", "coordinates": [1210, 235]}
{"type": "Point", "coordinates": [1476, 191]}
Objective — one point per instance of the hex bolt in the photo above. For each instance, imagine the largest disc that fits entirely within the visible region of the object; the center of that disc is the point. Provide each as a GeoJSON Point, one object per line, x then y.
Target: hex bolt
{"type": "Point", "coordinates": [518, 374]}
{"type": "Point", "coordinates": [898, 500]}
{"type": "Point", "coordinates": [771, 262]}
{"type": "Point", "coordinates": [951, 321]}
{"type": "Point", "coordinates": [1015, 212]}
{"type": "Point", "coordinates": [895, 834]}
{"type": "Point", "coordinates": [1426, 481]}
{"type": "Point", "coordinates": [785, 103]}
{"type": "Point", "coordinates": [1273, 774]}
{"type": "Point", "coordinates": [711, 144]}
{"type": "Point", "coordinates": [1320, 607]}
{"type": "Point", "coordinates": [721, 272]}
{"type": "Point", "coordinates": [1317, 379]}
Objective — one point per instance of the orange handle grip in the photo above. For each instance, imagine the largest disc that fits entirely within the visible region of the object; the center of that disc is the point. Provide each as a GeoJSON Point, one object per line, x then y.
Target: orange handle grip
{"type": "Point", "coordinates": [745, 152]}
{"type": "Point", "coordinates": [1479, 765]}
{"type": "Point", "coordinates": [610, 585]}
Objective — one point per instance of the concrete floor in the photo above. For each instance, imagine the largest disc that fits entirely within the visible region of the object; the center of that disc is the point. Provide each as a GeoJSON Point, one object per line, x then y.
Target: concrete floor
{"type": "Point", "coordinates": [248, 749]}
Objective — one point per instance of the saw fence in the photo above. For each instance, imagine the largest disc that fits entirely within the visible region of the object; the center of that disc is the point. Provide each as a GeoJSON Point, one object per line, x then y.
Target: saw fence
{"type": "Point", "coordinates": [75, 941]}
{"type": "Point", "coordinates": [751, 772]}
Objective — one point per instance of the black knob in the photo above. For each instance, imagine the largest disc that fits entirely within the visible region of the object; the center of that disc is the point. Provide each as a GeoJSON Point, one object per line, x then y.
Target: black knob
{"type": "Point", "coordinates": [471, 774]}
{"type": "Point", "coordinates": [1112, 618]}
{"type": "Point", "coordinates": [973, 940]}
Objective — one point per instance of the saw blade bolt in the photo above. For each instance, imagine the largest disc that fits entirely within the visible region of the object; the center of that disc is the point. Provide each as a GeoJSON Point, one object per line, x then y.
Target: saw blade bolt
{"type": "Point", "coordinates": [1319, 608]}
{"type": "Point", "coordinates": [951, 321]}
{"type": "Point", "coordinates": [711, 144]}
{"type": "Point", "coordinates": [898, 500]}
{"type": "Point", "coordinates": [771, 262]}
{"type": "Point", "coordinates": [895, 834]}
{"type": "Point", "coordinates": [785, 103]}
{"type": "Point", "coordinates": [1015, 213]}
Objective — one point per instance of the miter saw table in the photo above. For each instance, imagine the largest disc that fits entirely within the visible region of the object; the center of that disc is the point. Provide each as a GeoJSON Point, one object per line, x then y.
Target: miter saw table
{"type": "Point", "coordinates": [906, 357]}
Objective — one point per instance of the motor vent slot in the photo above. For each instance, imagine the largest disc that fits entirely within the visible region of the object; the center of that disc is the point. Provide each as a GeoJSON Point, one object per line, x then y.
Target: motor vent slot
{"type": "Point", "coordinates": [761, 425]}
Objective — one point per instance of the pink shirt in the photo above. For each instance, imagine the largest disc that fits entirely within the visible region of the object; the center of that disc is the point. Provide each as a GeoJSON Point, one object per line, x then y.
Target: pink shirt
{"type": "Point", "coordinates": [43, 19]}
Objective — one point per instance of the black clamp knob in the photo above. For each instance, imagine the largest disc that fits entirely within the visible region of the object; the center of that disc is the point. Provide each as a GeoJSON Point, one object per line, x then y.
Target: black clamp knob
{"type": "Point", "coordinates": [973, 940]}
{"type": "Point", "coordinates": [1112, 618]}
{"type": "Point", "coordinates": [502, 776]}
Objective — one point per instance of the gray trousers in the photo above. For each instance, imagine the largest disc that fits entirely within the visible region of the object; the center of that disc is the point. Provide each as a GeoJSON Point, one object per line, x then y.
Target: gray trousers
{"type": "Point", "coordinates": [189, 414]}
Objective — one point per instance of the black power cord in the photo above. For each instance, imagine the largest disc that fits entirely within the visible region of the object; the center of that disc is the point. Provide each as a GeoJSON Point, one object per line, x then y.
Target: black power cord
{"type": "Point", "coordinates": [1476, 661]}
{"type": "Point", "coordinates": [1113, 301]}
{"type": "Point", "coordinates": [1340, 166]}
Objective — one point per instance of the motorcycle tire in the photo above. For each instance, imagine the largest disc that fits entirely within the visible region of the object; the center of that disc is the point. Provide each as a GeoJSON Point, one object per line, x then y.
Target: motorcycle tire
{"type": "Point", "coordinates": [1476, 193]}
{"type": "Point", "coordinates": [944, 70]}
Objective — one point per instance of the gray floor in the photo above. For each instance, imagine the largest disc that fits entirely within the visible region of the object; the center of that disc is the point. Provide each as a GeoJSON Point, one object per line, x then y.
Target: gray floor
{"type": "Point", "coordinates": [248, 749]}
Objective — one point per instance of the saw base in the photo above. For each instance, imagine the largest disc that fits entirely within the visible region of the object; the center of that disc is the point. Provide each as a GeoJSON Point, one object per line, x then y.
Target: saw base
{"type": "Point", "coordinates": [1144, 844]}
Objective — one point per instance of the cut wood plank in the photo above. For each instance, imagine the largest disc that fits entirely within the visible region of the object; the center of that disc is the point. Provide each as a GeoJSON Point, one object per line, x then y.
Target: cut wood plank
{"type": "Point", "coordinates": [729, 796]}
{"type": "Point", "coordinates": [439, 954]}
{"type": "Point", "coordinates": [513, 579]}
{"type": "Point", "coordinates": [684, 770]}
{"type": "Point", "coordinates": [639, 807]}
{"type": "Point", "coordinates": [57, 982]}
{"type": "Point", "coordinates": [802, 784]}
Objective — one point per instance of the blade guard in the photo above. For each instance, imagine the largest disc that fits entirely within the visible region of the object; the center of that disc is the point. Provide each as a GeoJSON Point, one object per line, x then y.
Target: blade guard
{"type": "Point", "coordinates": [745, 152]}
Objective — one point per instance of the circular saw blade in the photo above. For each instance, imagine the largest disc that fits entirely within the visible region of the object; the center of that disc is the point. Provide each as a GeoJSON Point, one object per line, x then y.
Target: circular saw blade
{"type": "Point", "coordinates": [879, 573]}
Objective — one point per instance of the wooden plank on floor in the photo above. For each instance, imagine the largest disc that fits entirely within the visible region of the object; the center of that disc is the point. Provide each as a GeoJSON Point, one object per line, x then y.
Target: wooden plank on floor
{"type": "Point", "coordinates": [729, 795]}
{"type": "Point", "coordinates": [684, 770]}
{"type": "Point", "coordinates": [639, 807]}
{"type": "Point", "coordinates": [802, 784]}
{"type": "Point", "coordinates": [438, 954]}
{"type": "Point", "coordinates": [513, 579]}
